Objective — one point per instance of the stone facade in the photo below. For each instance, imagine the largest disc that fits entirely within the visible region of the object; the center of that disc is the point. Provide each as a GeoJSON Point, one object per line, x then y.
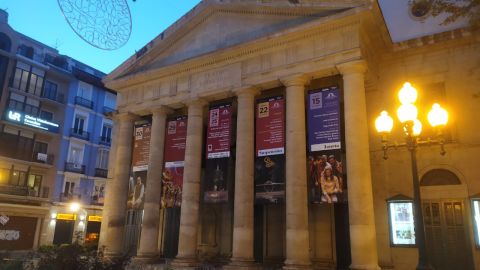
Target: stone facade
{"type": "Point", "coordinates": [242, 50]}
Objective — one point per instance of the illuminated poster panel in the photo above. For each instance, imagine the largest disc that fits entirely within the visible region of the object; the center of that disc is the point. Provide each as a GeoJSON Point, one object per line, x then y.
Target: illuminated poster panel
{"type": "Point", "coordinates": [172, 176]}
{"type": "Point", "coordinates": [402, 228]}
{"type": "Point", "coordinates": [326, 180]}
{"type": "Point", "coordinates": [140, 157]}
{"type": "Point", "coordinates": [270, 150]}
{"type": "Point", "coordinates": [218, 141]}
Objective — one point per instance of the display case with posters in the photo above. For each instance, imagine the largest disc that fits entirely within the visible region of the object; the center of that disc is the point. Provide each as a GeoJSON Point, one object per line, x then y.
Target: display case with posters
{"type": "Point", "coordinates": [400, 213]}
{"type": "Point", "coordinates": [476, 218]}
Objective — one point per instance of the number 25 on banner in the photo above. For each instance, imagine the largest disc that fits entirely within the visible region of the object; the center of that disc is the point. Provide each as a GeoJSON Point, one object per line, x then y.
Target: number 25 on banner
{"type": "Point", "coordinates": [263, 109]}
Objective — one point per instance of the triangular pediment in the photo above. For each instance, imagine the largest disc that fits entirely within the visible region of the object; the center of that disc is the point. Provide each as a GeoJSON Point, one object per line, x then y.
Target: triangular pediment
{"type": "Point", "coordinates": [219, 24]}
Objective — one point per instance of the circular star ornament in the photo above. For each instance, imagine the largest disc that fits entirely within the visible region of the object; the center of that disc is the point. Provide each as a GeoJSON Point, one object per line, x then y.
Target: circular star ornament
{"type": "Point", "coordinates": [105, 24]}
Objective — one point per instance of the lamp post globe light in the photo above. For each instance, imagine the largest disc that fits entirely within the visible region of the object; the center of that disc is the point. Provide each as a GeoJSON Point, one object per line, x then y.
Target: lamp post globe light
{"type": "Point", "coordinates": [407, 114]}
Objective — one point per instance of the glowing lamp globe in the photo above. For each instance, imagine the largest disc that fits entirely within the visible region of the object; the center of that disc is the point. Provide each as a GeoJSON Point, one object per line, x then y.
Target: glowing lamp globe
{"type": "Point", "coordinates": [408, 94]}
{"type": "Point", "coordinates": [74, 207]}
{"type": "Point", "coordinates": [437, 116]}
{"type": "Point", "coordinates": [407, 112]}
{"type": "Point", "coordinates": [384, 123]}
{"type": "Point", "coordinates": [417, 127]}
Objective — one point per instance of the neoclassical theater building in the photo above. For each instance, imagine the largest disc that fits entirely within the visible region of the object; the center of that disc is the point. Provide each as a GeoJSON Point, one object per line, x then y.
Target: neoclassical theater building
{"type": "Point", "coordinates": [270, 69]}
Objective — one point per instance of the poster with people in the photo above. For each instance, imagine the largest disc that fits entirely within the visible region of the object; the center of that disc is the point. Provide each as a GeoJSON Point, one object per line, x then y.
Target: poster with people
{"type": "Point", "coordinates": [270, 150]}
{"type": "Point", "coordinates": [326, 180]}
{"type": "Point", "coordinates": [218, 141]}
{"type": "Point", "coordinates": [174, 157]}
{"type": "Point", "coordinates": [140, 157]}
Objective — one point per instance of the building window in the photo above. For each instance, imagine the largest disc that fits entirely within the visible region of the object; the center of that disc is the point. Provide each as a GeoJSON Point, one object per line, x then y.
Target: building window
{"type": "Point", "coordinates": [28, 79]}
{"type": "Point", "coordinates": [76, 155]}
{"type": "Point", "coordinates": [50, 90]}
{"type": "Point", "coordinates": [78, 125]}
{"type": "Point", "coordinates": [46, 115]}
{"type": "Point", "coordinates": [84, 91]}
{"type": "Point", "coordinates": [40, 147]}
{"type": "Point", "coordinates": [5, 42]}
{"type": "Point", "coordinates": [26, 51]}
{"type": "Point", "coordinates": [34, 184]}
{"type": "Point", "coordinates": [400, 212]}
{"type": "Point", "coordinates": [18, 178]}
{"type": "Point", "coordinates": [102, 158]}
{"type": "Point", "coordinates": [106, 134]}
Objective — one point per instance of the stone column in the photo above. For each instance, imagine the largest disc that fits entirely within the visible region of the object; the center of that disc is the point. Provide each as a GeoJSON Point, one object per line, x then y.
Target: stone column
{"type": "Point", "coordinates": [115, 206]}
{"type": "Point", "coordinates": [187, 243]}
{"type": "Point", "coordinates": [297, 239]}
{"type": "Point", "coordinates": [360, 199]}
{"type": "Point", "coordinates": [242, 255]}
{"type": "Point", "coordinates": [148, 246]}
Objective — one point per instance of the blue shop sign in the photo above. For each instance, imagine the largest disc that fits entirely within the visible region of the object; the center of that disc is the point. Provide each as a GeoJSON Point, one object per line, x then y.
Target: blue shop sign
{"type": "Point", "coordinates": [31, 121]}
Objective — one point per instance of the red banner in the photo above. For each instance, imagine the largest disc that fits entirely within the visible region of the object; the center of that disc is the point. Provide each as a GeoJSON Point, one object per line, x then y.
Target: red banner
{"type": "Point", "coordinates": [270, 127]}
{"type": "Point", "coordinates": [219, 131]}
{"type": "Point", "coordinates": [172, 177]}
{"type": "Point", "coordinates": [141, 147]}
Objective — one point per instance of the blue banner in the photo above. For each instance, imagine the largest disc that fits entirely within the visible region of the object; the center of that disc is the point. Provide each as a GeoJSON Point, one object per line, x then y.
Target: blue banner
{"type": "Point", "coordinates": [324, 119]}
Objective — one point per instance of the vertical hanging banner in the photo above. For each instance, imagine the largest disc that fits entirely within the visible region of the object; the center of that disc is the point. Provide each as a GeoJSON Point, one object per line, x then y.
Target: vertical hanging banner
{"type": "Point", "coordinates": [140, 157]}
{"type": "Point", "coordinates": [172, 176]}
{"type": "Point", "coordinates": [325, 169]}
{"type": "Point", "coordinates": [270, 150]}
{"type": "Point", "coordinates": [219, 133]}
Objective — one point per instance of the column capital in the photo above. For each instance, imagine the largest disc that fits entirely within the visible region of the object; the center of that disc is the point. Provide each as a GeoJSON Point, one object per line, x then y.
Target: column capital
{"type": "Point", "coordinates": [357, 66]}
{"type": "Point", "coordinates": [295, 80]}
{"type": "Point", "coordinates": [125, 116]}
{"type": "Point", "coordinates": [161, 110]}
{"type": "Point", "coordinates": [196, 102]}
{"type": "Point", "coordinates": [247, 91]}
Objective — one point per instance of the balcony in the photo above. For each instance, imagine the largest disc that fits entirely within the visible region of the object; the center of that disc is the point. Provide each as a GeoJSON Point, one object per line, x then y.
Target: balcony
{"type": "Point", "coordinates": [107, 110]}
{"type": "Point", "coordinates": [101, 172]}
{"type": "Point", "coordinates": [43, 158]}
{"type": "Point", "coordinates": [80, 134]}
{"type": "Point", "coordinates": [24, 191]}
{"type": "Point", "coordinates": [84, 102]}
{"type": "Point", "coordinates": [74, 167]}
{"type": "Point", "coordinates": [60, 98]}
{"type": "Point", "coordinates": [105, 140]}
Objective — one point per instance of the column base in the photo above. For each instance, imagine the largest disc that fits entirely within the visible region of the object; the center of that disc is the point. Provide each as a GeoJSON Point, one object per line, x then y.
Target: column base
{"type": "Point", "coordinates": [185, 263]}
{"type": "Point", "coordinates": [365, 267]}
{"type": "Point", "coordinates": [296, 265]}
{"type": "Point", "coordinates": [244, 264]}
{"type": "Point", "coordinates": [112, 254]}
{"type": "Point", "coordinates": [149, 258]}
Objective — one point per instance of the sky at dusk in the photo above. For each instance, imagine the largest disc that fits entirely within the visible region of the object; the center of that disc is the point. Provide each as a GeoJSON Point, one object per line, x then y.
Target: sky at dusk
{"type": "Point", "coordinates": [43, 20]}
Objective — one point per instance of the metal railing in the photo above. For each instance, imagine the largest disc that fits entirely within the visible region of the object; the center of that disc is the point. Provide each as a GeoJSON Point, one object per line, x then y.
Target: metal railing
{"type": "Point", "coordinates": [107, 110]}
{"type": "Point", "coordinates": [60, 98]}
{"type": "Point", "coordinates": [81, 134]}
{"type": "Point", "coordinates": [74, 167]}
{"type": "Point", "coordinates": [101, 172]}
{"type": "Point", "coordinates": [84, 102]}
{"type": "Point", "coordinates": [105, 140]}
{"type": "Point", "coordinates": [24, 191]}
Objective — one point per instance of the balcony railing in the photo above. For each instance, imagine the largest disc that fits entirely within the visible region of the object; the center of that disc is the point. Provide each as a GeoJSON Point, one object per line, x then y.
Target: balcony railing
{"type": "Point", "coordinates": [43, 158]}
{"type": "Point", "coordinates": [74, 167]}
{"type": "Point", "coordinates": [81, 134]}
{"type": "Point", "coordinates": [24, 191]}
{"type": "Point", "coordinates": [84, 102]}
{"type": "Point", "coordinates": [101, 172]}
{"type": "Point", "coordinates": [107, 110]}
{"type": "Point", "coordinates": [105, 140]}
{"type": "Point", "coordinates": [60, 98]}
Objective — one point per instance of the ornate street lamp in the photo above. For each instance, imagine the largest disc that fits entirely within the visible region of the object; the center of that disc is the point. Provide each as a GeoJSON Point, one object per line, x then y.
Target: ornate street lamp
{"type": "Point", "coordinates": [407, 115]}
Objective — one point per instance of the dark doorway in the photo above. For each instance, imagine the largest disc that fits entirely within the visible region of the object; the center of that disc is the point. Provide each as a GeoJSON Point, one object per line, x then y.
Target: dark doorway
{"type": "Point", "coordinates": [258, 233]}
{"type": "Point", "coordinates": [448, 244]}
{"type": "Point", "coordinates": [171, 233]}
{"type": "Point", "coordinates": [63, 232]}
{"type": "Point", "coordinates": [342, 236]}
{"type": "Point", "coordinates": [93, 233]}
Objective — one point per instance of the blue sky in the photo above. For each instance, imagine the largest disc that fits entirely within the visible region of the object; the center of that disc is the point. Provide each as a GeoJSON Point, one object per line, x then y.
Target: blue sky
{"type": "Point", "coordinates": [43, 21]}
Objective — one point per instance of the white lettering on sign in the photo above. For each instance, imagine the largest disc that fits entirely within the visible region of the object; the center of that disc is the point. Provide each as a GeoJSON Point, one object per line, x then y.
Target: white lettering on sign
{"type": "Point", "coordinates": [4, 219]}
{"type": "Point", "coordinates": [9, 235]}
{"type": "Point", "coordinates": [15, 116]}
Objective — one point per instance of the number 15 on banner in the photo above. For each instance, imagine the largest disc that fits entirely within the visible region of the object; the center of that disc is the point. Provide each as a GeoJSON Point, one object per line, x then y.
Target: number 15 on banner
{"type": "Point", "coordinates": [263, 109]}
